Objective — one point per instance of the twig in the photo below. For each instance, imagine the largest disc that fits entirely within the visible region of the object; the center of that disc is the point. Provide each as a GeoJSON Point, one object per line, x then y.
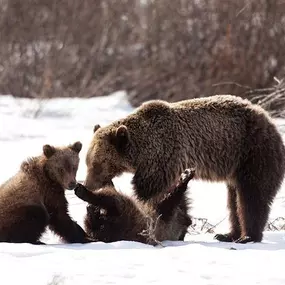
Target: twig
{"type": "Point", "coordinates": [210, 229]}
{"type": "Point", "coordinates": [56, 280]}
{"type": "Point", "coordinates": [273, 225]}
{"type": "Point", "coordinates": [231, 83]}
{"type": "Point", "coordinates": [277, 80]}
{"type": "Point", "coordinates": [271, 99]}
{"type": "Point", "coordinates": [242, 9]}
{"type": "Point", "coordinates": [151, 229]}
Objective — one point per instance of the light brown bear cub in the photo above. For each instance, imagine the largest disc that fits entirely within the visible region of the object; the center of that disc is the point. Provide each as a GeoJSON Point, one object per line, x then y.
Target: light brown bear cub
{"type": "Point", "coordinates": [34, 198]}
{"type": "Point", "coordinates": [113, 216]}
{"type": "Point", "coordinates": [225, 138]}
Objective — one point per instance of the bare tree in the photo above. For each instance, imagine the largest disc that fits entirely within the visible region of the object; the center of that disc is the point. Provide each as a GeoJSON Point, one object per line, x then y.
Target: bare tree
{"type": "Point", "coordinates": [166, 49]}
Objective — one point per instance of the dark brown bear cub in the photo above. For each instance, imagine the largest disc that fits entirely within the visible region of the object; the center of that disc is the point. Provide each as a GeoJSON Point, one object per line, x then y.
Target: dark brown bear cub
{"type": "Point", "coordinates": [34, 198]}
{"type": "Point", "coordinates": [113, 216]}
{"type": "Point", "coordinates": [226, 139]}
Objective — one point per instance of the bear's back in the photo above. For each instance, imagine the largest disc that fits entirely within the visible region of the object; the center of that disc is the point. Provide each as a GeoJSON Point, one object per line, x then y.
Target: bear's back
{"type": "Point", "coordinates": [19, 190]}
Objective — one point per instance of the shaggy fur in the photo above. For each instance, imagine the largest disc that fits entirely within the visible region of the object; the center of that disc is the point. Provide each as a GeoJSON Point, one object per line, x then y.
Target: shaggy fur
{"type": "Point", "coordinates": [224, 137]}
{"type": "Point", "coordinates": [34, 198]}
{"type": "Point", "coordinates": [112, 216]}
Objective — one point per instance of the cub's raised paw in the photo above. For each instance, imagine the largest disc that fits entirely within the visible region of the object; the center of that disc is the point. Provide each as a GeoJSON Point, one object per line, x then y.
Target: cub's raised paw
{"type": "Point", "coordinates": [187, 175]}
{"type": "Point", "coordinates": [80, 190]}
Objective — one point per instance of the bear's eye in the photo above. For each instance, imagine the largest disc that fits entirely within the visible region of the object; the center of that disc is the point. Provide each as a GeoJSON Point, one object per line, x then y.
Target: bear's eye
{"type": "Point", "coordinates": [61, 170]}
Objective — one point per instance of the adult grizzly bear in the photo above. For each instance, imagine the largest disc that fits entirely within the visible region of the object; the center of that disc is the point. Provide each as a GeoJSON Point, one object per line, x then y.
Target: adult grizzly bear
{"type": "Point", "coordinates": [113, 216]}
{"type": "Point", "coordinates": [34, 198]}
{"type": "Point", "coordinates": [224, 137]}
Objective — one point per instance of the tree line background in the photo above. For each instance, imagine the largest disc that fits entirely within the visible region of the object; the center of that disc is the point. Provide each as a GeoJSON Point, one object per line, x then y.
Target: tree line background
{"type": "Point", "coordinates": [166, 49]}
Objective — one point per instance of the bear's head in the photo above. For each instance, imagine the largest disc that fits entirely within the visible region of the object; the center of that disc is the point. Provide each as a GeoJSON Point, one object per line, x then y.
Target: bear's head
{"type": "Point", "coordinates": [62, 163]}
{"type": "Point", "coordinates": [107, 156]}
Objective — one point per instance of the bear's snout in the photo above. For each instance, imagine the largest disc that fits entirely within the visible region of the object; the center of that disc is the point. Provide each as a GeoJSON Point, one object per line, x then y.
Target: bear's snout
{"type": "Point", "coordinates": [71, 185]}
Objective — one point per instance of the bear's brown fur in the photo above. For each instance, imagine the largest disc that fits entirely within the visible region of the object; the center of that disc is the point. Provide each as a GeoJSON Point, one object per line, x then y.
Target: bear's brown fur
{"type": "Point", "coordinates": [34, 198]}
{"type": "Point", "coordinates": [226, 138]}
{"type": "Point", "coordinates": [113, 216]}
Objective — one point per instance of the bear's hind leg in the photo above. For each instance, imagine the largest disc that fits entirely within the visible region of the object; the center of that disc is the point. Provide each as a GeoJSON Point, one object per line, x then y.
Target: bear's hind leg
{"type": "Point", "coordinates": [257, 189]}
{"type": "Point", "coordinates": [27, 225]}
{"type": "Point", "coordinates": [258, 178]}
{"type": "Point", "coordinates": [235, 232]}
{"type": "Point", "coordinates": [253, 210]}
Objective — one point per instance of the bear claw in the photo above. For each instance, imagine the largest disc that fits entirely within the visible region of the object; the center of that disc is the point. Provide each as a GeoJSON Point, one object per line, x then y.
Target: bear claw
{"type": "Point", "coordinates": [224, 237]}
{"type": "Point", "coordinates": [244, 239]}
{"type": "Point", "coordinates": [231, 238]}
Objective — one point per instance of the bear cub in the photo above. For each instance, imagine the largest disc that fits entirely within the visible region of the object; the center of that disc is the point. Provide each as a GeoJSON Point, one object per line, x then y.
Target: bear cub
{"type": "Point", "coordinates": [113, 216]}
{"type": "Point", "coordinates": [34, 198]}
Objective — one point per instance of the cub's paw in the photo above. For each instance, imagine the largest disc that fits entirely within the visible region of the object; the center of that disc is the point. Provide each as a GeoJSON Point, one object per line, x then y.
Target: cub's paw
{"type": "Point", "coordinates": [80, 191]}
{"type": "Point", "coordinates": [186, 176]}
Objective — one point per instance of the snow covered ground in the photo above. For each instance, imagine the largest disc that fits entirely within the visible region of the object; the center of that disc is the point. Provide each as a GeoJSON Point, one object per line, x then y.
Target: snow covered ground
{"type": "Point", "coordinates": [26, 125]}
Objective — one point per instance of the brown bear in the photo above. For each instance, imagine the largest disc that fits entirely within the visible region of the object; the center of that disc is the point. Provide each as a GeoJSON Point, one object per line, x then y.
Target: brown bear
{"type": "Point", "coordinates": [34, 198]}
{"type": "Point", "coordinates": [225, 138]}
{"type": "Point", "coordinates": [113, 216]}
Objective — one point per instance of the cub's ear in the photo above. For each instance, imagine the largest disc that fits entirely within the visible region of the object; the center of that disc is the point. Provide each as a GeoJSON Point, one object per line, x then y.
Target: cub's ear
{"type": "Point", "coordinates": [77, 146]}
{"type": "Point", "coordinates": [95, 128]}
{"type": "Point", "coordinates": [122, 136]}
{"type": "Point", "coordinates": [48, 150]}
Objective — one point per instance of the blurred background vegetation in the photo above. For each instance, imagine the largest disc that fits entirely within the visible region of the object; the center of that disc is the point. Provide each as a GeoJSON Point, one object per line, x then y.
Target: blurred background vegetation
{"type": "Point", "coordinates": [166, 49]}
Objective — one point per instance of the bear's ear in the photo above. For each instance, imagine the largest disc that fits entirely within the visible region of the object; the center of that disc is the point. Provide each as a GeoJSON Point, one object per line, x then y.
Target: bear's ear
{"type": "Point", "coordinates": [77, 146]}
{"type": "Point", "coordinates": [122, 136]}
{"type": "Point", "coordinates": [95, 128]}
{"type": "Point", "coordinates": [48, 150]}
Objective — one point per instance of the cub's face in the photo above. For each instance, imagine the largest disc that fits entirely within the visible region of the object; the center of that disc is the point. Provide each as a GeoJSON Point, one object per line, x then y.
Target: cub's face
{"type": "Point", "coordinates": [115, 222]}
{"type": "Point", "coordinates": [62, 164]}
{"type": "Point", "coordinates": [103, 226]}
{"type": "Point", "coordinates": [106, 156]}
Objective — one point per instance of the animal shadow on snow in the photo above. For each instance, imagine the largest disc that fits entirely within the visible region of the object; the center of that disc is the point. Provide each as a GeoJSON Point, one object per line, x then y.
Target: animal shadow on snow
{"type": "Point", "coordinates": [271, 241]}
{"type": "Point", "coordinates": [98, 245]}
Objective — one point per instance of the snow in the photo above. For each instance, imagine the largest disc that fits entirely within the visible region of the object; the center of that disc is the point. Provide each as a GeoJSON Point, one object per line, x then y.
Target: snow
{"type": "Point", "coordinates": [25, 125]}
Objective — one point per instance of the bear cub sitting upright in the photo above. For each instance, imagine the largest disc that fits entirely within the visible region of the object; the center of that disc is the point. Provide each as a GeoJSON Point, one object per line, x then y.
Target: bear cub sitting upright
{"type": "Point", "coordinates": [113, 216]}
{"type": "Point", "coordinates": [34, 198]}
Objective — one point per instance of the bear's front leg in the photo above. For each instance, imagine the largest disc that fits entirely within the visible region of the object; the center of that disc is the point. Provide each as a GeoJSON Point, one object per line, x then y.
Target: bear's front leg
{"type": "Point", "coordinates": [70, 232]}
{"type": "Point", "coordinates": [147, 185]}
